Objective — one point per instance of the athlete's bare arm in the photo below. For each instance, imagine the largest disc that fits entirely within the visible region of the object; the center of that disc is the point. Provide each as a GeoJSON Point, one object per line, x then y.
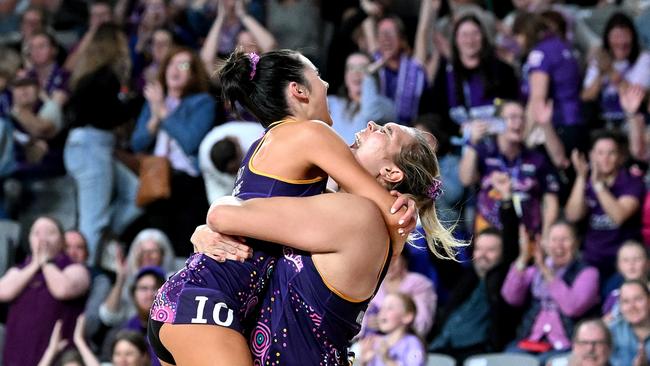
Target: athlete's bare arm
{"type": "Point", "coordinates": [346, 230]}
{"type": "Point", "coordinates": [325, 149]}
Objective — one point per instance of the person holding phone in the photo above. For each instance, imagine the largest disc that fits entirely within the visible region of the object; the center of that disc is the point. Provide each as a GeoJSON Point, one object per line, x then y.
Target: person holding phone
{"type": "Point", "coordinates": [534, 182]}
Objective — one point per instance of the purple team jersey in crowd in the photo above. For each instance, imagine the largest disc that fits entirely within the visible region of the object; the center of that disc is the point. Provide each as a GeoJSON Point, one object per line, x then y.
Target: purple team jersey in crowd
{"type": "Point", "coordinates": [476, 104]}
{"type": "Point", "coordinates": [225, 294]}
{"type": "Point", "coordinates": [32, 315]}
{"type": "Point", "coordinates": [553, 57]}
{"type": "Point", "coordinates": [532, 176]}
{"type": "Point", "coordinates": [604, 236]}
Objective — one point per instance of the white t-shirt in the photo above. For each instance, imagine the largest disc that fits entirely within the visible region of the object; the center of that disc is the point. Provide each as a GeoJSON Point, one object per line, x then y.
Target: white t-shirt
{"type": "Point", "coordinates": [217, 183]}
{"type": "Point", "coordinates": [638, 74]}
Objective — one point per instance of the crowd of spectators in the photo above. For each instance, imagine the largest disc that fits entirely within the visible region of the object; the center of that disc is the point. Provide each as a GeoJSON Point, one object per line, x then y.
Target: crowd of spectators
{"type": "Point", "coordinates": [539, 108]}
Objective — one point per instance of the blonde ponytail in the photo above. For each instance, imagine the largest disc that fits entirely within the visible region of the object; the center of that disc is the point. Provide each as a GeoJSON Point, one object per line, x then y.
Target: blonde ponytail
{"type": "Point", "coordinates": [420, 166]}
{"type": "Point", "coordinates": [440, 240]}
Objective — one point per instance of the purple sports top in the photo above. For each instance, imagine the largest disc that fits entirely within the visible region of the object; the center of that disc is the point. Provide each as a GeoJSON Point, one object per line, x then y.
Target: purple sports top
{"type": "Point", "coordinates": [303, 320]}
{"type": "Point", "coordinates": [553, 57]}
{"type": "Point", "coordinates": [235, 284]}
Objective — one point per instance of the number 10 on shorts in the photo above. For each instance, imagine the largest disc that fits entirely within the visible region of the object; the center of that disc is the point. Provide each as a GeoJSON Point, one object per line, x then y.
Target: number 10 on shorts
{"type": "Point", "coordinates": [216, 312]}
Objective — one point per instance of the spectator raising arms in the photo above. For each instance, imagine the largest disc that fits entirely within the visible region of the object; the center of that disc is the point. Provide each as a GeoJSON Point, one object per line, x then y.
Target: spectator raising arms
{"type": "Point", "coordinates": [106, 189]}
{"type": "Point", "coordinates": [402, 78]}
{"type": "Point", "coordinates": [176, 117]}
{"type": "Point", "coordinates": [550, 72]}
{"type": "Point", "coordinates": [235, 25]}
{"type": "Point", "coordinates": [46, 287]}
{"type": "Point", "coordinates": [467, 85]}
{"type": "Point", "coordinates": [609, 197]}
{"type": "Point", "coordinates": [534, 182]}
{"type": "Point", "coordinates": [359, 100]}
{"type": "Point", "coordinates": [562, 289]}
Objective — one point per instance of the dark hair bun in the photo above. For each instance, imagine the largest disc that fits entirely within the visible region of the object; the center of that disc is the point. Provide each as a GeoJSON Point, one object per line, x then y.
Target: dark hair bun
{"type": "Point", "coordinates": [234, 77]}
{"type": "Point", "coordinates": [264, 96]}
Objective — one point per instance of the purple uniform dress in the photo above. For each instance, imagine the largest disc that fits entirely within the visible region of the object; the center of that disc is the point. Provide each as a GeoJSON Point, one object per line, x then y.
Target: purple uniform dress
{"type": "Point", "coordinates": [603, 236]}
{"type": "Point", "coordinates": [532, 176]}
{"type": "Point", "coordinates": [553, 57]}
{"type": "Point", "coordinates": [31, 318]}
{"type": "Point", "coordinates": [303, 320]}
{"type": "Point", "coordinates": [209, 292]}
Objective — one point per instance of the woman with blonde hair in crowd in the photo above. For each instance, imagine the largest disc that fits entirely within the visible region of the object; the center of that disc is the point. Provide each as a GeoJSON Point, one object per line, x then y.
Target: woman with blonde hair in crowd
{"type": "Point", "coordinates": [399, 344]}
{"type": "Point", "coordinates": [106, 189]}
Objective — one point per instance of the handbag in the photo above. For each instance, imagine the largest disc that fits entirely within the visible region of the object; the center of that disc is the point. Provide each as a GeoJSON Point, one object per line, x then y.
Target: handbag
{"type": "Point", "coordinates": [155, 180]}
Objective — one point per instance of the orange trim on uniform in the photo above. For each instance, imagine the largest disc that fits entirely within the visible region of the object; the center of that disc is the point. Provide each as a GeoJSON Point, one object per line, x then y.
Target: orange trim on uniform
{"type": "Point", "coordinates": [272, 176]}
{"type": "Point", "coordinates": [348, 298]}
{"type": "Point", "coordinates": [337, 292]}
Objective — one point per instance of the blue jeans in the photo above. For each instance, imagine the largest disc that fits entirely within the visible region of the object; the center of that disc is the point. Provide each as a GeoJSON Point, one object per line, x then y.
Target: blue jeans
{"type": "Point", "coordinates": [106, 189]}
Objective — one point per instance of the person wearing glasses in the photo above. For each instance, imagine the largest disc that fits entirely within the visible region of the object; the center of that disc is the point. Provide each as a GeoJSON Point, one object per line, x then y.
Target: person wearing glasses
{"type": "Point", "coordinates": [176, 117]}
{"type": "Point", "coordinates": [592, 344]}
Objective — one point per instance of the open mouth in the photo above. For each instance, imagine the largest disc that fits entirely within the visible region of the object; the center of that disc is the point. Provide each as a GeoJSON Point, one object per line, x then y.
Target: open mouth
{"type": "Point", "coordinates": [356, 142]}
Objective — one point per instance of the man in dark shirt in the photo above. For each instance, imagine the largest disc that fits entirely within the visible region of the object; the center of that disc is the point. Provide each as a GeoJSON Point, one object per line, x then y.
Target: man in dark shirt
{"type": "Point", "coordinates": [476, 319]}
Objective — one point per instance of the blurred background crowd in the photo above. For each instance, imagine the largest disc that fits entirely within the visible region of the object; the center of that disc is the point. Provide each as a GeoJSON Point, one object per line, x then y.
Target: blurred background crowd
{"type": "Point", "coordinates": [539, 108]}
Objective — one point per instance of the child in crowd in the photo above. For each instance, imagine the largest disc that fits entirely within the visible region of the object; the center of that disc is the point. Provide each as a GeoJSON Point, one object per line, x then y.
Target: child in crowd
{"type": "Point", "coordinates": [632, 264]}
{"type": "Point", "coordinates": [398, 345]}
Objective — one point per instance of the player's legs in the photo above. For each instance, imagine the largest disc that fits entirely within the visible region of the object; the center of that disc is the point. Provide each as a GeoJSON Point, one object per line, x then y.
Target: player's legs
{"type": "Point", "coordinates": [205, 345]}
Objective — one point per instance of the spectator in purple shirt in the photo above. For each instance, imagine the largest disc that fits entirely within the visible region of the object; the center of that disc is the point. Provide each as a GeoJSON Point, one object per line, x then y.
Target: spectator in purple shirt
{"type": "Point", "coordinates": [466, 85]}
{"type": "Point", "coordinates": [550, 72]}
{"type": "Point", "coordinates": [52, 78]}
{"type": "Point", "coordinates": [562, 290]}
{"type": "Point", "coordinates": [46, 287]}
{"type": "Point", "coordinates": [534, 182]}
{"type": "Point", "coordinates": [402, 78]}
{"type": "Point", "coordinates": [399, 345]}
{"type": "Point", "coordinates": [609, 197]}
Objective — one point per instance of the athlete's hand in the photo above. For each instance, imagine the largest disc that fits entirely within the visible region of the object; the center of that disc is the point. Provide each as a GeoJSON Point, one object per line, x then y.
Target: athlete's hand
{"type": "Point", "coordinates": [409, 219]}
{"type": "Point", "coordinates": [220, 247]}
